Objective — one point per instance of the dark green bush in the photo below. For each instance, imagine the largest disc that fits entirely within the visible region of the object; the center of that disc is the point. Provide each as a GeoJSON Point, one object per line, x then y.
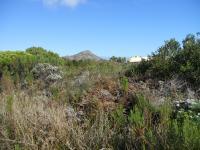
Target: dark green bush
{"type": "Point", "coordinates": [118, 59]}
{"type": "Point", "coordinates": [170, 59]}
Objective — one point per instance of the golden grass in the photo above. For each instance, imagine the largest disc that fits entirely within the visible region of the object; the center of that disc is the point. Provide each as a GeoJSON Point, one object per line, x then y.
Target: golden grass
{"type": "Point", "coordinates": [39, 123]}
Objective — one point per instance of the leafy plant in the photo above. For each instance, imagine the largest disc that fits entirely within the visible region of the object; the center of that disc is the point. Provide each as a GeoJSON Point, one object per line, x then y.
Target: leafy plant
{"type": "Point", "coordinates": [124, 83]}
{"type": "Point", "coordinates": [136, 117]}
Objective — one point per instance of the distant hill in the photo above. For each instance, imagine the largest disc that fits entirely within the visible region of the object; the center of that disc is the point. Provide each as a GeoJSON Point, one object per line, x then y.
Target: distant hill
{"type": "Point", "coordinates": [84, 55]}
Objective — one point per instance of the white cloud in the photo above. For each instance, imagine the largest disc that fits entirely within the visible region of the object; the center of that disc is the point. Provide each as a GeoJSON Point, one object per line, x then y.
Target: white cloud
{"type": "Point", "coordinates": [68, 3]}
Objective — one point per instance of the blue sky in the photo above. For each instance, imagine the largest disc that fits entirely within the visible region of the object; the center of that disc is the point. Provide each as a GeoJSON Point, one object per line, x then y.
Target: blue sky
{"type": "Point", "coordinates": [106, 27]}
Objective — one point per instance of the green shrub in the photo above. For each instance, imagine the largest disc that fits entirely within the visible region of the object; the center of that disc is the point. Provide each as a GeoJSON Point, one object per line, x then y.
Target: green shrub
{"type": "Point", "coordinates": [131, 71]}
{"type": "Point", "coordinates": [118, 59]}
{"type": "Point", "coordinates": [136, 117]}
{"type": "Point", "coordinates": [170, 59]}
{"type": "Point", "coordinates": [119, 120]}
{"type": "Point", "coordinates": [18, 64]}
{"type": "Point", "coordinates": [124, 84]}
{"type": "Point", "coordinates": [44, 56]}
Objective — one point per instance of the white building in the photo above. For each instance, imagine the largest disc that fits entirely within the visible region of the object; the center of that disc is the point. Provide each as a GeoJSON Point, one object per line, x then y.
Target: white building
{"type": "Point", "coordinates": [137, 59]}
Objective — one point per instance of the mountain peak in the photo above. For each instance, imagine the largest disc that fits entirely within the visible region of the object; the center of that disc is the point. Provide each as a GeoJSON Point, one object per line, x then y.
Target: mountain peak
{"type": "Point", "coordinates": [84, 55]}
{"type": "Point", "coordinates": [86, 51]}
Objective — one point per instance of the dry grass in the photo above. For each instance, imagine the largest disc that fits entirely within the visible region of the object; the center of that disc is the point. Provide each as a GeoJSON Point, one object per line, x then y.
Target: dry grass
{"type": "Point", "coordinates": [38, 123]}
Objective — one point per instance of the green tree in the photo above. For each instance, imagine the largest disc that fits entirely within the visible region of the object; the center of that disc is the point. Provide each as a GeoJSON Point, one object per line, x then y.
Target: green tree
{"type": "Point", "coordinates": [118, 59]}
{"type": "Point", "coordinates": [187, 62]}
{"type": "Point", "coordinates": [168, 50]}
{"type": "Point", "coordinates": [161, 59]}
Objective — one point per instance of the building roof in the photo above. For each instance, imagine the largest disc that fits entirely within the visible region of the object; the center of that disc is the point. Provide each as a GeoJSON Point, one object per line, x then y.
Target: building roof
{"type": "Point", "coordinates": [137, 59]}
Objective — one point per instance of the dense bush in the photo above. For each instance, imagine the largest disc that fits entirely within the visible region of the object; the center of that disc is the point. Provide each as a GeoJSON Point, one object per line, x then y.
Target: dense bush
{"type": "Point", "coordinates": [118, 59]}
{"type": "Point", "coordinates": [138, 70]}
{"type": "Point", "coordinates": [17, 64]}
{"type": "Point", "coordinates": [187, 61]}
{"type": "Point", "coordinates": [44, 56]}
{"type": "Point", "coordinates": [170, 59]}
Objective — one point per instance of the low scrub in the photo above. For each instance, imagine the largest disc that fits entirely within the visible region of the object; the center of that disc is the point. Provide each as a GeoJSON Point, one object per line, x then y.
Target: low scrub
{"type": "Point", "coordinates": [37, 123]}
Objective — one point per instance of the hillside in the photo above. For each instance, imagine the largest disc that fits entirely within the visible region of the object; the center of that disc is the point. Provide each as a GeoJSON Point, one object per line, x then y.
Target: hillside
{"type": "Point", "coordinates": [84, 55]}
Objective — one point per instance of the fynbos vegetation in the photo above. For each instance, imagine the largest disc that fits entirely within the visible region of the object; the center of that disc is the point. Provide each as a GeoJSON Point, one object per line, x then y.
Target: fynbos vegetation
{"type": "Point", "coordinates": [49, 102]}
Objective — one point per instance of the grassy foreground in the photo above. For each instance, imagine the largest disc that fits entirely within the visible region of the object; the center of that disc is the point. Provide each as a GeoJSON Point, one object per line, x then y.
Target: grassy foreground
{"type": "Point", "coordinates": [100, 105]}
